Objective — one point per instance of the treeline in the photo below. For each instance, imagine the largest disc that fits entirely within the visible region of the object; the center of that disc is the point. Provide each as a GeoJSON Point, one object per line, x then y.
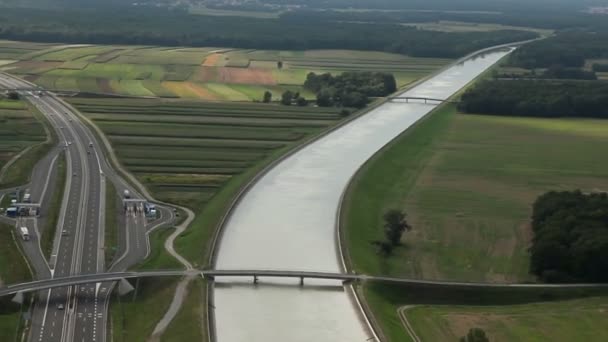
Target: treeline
{"type": "Point", "coordinates": [350, 89]}
{"type": "Point", "coordinates": [539, 98]}
{"type": "Point", "coordinates": [570, 241]}
{"type": "Point", "coordinates": [600, 67]}
{"type": "Point", "coordinates": [149, 26]}
{"type": "Point", "coordinates": [541, 17]}
{"type": "Point", "coordinates": [567, 49]}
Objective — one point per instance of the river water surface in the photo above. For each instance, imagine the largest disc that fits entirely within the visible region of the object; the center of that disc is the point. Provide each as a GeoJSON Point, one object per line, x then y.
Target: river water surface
{"type": "Point", "coordinates": [287, 222]}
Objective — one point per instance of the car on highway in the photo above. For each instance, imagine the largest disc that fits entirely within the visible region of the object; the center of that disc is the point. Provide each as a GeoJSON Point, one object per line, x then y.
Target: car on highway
{"type": "Point", "coordinates": [60, 306]}
{"type": "Point", "coordinates": [64, 233]}
{"type": "Point", "coordinates": [74, 174]}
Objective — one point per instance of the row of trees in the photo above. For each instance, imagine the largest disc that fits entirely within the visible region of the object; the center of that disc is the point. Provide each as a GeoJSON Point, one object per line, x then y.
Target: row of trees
{"type": "Point", "coordinates": [553, 72]}
{"type": "Point", "coordinates": [350, 89]}
{"type": "Point", "coordinates": [570, 241]}
{"type": "Point", "coordinates": [540, 98]}
{"type": "Point", "coordinates": [600, 67]}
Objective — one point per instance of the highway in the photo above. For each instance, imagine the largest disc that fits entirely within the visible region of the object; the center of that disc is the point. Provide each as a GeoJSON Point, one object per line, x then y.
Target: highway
{"type": "Point", "coordinates": [81, 249]}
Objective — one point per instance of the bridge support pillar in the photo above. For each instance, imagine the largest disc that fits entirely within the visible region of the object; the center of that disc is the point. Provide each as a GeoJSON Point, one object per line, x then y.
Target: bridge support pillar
{"type": "Point", "coordinates": [18, 298]}
{"type": "Point", "coordinates": [301, 281]}
{"type": "Point", "coordinates": [255, 279]}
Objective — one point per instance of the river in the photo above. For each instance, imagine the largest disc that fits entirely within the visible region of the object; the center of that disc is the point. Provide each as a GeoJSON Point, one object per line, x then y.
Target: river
{"type": "Point", "coordinates": [287, 221]}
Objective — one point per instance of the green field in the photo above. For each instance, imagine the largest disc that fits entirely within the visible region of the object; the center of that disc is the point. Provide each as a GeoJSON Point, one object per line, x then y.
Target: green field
{"type": "Point", "coordinates": [19, 130]}
{"type": "Point", "coordinates": [426, 308]}
{"type": "Point", "coordinates": [573, 320]}
{"type": "Point", "coordinates": [195, 73]}
{"type": "Point", "coordinates": [467, 184]}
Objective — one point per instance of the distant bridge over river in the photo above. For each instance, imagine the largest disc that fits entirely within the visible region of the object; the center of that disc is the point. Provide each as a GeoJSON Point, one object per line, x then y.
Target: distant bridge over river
{"type": "Point", "coordinates": [415, 99]}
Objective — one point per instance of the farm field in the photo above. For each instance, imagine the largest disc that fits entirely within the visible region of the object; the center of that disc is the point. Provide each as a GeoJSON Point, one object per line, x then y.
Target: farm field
{"type": "Point", "coordinates": [212, 74]}
{"type": "Point", "coordinates": [571, 320]}
{"type": "Point", "coordinates": [467, 183]}
{"type": "Point", "coordinates": [19, 129]}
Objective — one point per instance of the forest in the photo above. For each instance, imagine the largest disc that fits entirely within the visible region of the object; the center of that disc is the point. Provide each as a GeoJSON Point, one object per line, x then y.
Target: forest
{"type": "Point", "coordinates": [350, 89]}
{"type": "Point", "coordinates": [538, 98]}
{"type": "Point", "coordinates": [570, 242]}
{"type": "Point", "coordinates": [567, 49]}
{"type": "Point", "coordinates": [151, 26]}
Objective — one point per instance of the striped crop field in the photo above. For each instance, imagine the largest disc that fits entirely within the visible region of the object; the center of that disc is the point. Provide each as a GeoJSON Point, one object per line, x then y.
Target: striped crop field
{"type": "Point", "coordinates": [211, 73]}
{"type": "Point", "coordinates": [19, 129]}
{"type": "Point", "coordinates": [185, 152]}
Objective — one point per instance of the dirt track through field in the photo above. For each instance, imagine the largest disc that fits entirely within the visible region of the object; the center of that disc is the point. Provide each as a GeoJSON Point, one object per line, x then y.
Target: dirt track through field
{"type": "Point", "coordinates": [212, 59]}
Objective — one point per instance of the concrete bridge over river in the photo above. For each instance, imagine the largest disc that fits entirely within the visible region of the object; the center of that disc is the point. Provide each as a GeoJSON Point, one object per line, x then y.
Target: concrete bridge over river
{"type": "Point", "coordinates": [257, 274]}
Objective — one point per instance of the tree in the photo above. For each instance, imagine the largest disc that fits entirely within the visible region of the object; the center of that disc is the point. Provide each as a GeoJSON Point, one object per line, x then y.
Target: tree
{"type": "Point", "coordinates": [475, 335]}
{"type": "Point", "coordinates": [12, 95]}
{"type": "Point", "coordinates": [324, 98]}
{"type": "Point", "coordinates": [287, 98]}
{"type": "Point", "coordinates": [395, 225]}
{"type": "Point", "coordinates": [267, 97]}
{"type": "Point", "coordinates": [301, 102]}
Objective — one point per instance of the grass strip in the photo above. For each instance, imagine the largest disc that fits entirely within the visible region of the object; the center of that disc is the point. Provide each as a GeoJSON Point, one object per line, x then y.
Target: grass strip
{"type": "Point", "coordinates": [54, 205]}
{"type": "Point", "coordinates": [188, 324]}
{"type": "Point", "coordinates": [159, 259]}
{"type": "Point", "coordinates": [111, 229]}
{"type": "Point", "coordinates": [128, 321]}
{"type": "Point", "coordinates": [13, 266]}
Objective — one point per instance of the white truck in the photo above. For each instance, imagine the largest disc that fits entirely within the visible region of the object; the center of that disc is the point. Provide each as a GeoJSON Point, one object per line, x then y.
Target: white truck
{"type": "Point", "coordinates": [25, 233]}
{"type": "Point", "coordinates": [27, 198]}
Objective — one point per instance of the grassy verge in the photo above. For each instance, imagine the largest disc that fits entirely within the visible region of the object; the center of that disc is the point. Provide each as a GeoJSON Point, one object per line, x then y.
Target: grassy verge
{"type": "Point", "coordinates": [13, 267]}
{"type": "Point", "coordinates": [134, 318]}
{"type": "Point", "coordinates": [159, 259]}
{"type": "Point", "coordinates": [529, 322]}
{"type": "Point", "coordinates": [187, 325]}
{"type": "Point", "coordinates": [111, 231]}
{"type": "Point", "coordinates": [11, 324]}
{"type": "Point", "coordinates": [48, 234]}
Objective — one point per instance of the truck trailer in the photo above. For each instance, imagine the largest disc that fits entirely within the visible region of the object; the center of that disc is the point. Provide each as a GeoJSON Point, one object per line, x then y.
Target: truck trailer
{"type": "Point", "coordinates": [25, 233]}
